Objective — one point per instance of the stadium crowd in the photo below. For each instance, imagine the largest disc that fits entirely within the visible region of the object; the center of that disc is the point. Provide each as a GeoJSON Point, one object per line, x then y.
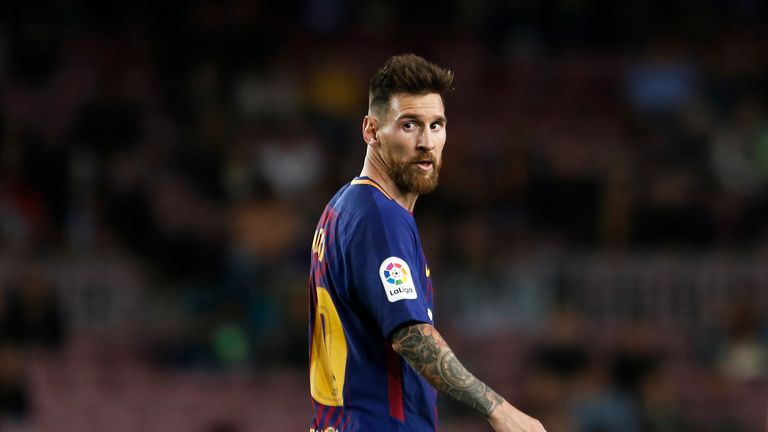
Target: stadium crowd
{"type": "Point", "coordinates": [202, 141]}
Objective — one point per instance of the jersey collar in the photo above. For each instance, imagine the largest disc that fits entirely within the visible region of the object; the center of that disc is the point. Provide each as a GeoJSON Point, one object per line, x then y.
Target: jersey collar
{"type": "Point", "coordinates": [367, 181]}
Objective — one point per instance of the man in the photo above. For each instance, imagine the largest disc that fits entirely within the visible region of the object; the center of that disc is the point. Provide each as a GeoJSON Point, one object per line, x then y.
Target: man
{"type": "Point", "coordinates": [375, 357]}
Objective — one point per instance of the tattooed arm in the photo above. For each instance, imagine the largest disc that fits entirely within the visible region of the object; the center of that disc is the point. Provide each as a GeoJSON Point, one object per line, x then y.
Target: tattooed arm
{"type": "Point", "coordinates": [428, 354]}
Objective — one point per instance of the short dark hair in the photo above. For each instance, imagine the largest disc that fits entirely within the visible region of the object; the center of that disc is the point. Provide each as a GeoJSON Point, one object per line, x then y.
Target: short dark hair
{"type": "Point", "coordinates": [407, 73]}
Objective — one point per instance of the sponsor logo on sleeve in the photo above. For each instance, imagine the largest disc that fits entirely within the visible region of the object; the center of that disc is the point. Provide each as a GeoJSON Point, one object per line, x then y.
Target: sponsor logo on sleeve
{"type": "Point", "coordinates": [397, 279]}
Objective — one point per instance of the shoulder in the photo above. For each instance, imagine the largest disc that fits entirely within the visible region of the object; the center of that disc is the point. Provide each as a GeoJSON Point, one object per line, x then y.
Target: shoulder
{"type": "Point", "coordinates": [366, 208]}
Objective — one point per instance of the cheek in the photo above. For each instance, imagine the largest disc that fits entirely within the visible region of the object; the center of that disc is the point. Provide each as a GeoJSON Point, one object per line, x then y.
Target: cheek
{"type": "Point", "coordinates": [392, 152]}
{"type": "Point", "coordinates": [395, 145]}
{"type": "Point", "coordinates": [439, 147]}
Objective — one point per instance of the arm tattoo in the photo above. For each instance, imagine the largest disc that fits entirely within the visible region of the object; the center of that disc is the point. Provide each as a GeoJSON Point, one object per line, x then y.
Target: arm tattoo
{"type": "Point", "coordinates": [428, 354]}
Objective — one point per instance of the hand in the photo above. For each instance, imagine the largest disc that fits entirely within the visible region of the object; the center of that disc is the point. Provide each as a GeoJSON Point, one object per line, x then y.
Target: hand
{"type": "Point", "coordinates": [506, 418]}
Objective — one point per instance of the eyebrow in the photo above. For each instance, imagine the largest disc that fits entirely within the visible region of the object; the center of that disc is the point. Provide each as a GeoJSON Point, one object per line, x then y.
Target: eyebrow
{"type": "Point", "coordinates": [440, 119]}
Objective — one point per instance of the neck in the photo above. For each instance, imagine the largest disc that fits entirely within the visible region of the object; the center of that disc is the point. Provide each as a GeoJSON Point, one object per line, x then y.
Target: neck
{"type": "Point", "coordinates": [376, 172]}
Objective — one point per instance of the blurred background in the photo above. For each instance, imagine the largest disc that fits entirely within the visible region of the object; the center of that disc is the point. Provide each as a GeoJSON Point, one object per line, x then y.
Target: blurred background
{"type": "Point", "coordinates": [598, 242]}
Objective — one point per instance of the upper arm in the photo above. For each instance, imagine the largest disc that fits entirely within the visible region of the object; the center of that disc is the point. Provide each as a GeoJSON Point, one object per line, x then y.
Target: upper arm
{"type": "Point", "coordinates": [385, 262]}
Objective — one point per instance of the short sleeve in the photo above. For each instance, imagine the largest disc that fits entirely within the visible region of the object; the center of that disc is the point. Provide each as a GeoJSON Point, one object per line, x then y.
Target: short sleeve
{"type": "Point", "coordinates": [384, 259]}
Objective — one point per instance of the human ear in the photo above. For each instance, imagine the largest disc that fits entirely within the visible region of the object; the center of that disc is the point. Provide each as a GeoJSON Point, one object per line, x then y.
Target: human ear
{"type": "Point", "coordinates": [370, 131]}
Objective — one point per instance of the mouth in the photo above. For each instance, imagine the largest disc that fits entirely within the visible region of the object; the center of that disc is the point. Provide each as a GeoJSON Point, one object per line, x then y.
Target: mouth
{"type": "Point", "coordinates": [425, 165]}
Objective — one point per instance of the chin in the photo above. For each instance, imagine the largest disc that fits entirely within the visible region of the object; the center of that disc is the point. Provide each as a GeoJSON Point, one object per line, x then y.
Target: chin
{"type": "Point", "coordinates": [412, 179]}
{"type": "Point", "coordinates": [423, 185]}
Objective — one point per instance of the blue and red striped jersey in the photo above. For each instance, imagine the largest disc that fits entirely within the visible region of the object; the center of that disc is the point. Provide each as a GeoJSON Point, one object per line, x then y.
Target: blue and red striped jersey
{"type": "Point", "coordinates": [368, 277]}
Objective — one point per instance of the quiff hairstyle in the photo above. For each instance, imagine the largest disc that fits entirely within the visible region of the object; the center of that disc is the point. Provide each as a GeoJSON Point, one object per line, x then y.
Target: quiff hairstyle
{"type": "Point", "coordinates": [407, 73]}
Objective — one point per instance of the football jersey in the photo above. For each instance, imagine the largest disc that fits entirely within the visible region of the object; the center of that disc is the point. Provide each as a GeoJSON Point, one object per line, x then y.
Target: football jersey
{"type": "Point", "coordinates": [368, 277]}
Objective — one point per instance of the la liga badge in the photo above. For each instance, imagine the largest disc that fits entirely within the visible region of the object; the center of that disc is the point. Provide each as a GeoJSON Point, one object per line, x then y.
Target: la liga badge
{"type": "Point", "coordinates": [397, 279]}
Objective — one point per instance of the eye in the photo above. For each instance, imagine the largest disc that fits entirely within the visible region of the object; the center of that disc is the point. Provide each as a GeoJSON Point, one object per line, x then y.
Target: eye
{"type": "Point", "coordinates": [409, 125]}
{"type": "Point", "coordinates": [436, 126]}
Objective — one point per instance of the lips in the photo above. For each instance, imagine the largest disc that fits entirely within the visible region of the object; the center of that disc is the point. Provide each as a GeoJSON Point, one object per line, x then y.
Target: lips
{"type": "Point", "coordinates": [425, 164]}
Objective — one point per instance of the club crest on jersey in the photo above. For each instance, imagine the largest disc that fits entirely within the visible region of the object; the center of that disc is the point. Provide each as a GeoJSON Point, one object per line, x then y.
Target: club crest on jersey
{"type": "Point", "coordinates": [397, 280]}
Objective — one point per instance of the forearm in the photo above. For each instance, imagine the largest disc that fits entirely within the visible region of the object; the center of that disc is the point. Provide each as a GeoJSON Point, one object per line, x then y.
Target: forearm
{"type": "Point", "coordinates": [427, 353]}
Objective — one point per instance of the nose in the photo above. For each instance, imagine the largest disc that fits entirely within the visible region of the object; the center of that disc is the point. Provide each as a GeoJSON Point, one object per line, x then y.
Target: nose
{"type": "Point", "coordinates": [426, 141]}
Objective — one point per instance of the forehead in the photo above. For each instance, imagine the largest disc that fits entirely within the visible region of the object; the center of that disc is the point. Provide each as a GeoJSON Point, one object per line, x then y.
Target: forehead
{"type": "Point", "coordinates": [426, 105]}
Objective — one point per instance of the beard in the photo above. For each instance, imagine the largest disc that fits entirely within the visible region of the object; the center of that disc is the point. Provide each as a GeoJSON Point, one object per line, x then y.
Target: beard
{"type": "Point", "coordinates": [409, 177]}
